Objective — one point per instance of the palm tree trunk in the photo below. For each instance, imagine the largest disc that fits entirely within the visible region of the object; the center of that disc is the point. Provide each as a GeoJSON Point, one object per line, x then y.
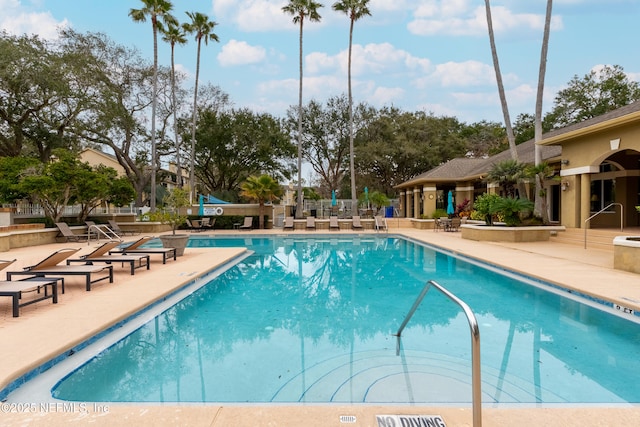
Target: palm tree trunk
{"type": "Point", "coordinates": [503, 99]}
{"type": "Point", "coordinates": [192, 154]}
{"type": "Point", "coordinates": [354, 198]}
{"type": "Point", "coordinates": [541, 75]}
{"type": "Point", "coordinates": [175, 124]}
{"type": "Point", "coordinates": [540, 204]}
{"type": "Point", "coordinates": [154, 103]}
{"type": "Point", "coordinates": [299, 201]}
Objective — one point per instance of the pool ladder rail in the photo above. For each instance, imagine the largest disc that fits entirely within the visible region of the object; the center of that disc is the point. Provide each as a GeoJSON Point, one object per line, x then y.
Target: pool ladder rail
{"type": "Point", "coordinates": [102, 230]}
{"type": "Point", "coordinates": [476, 384]}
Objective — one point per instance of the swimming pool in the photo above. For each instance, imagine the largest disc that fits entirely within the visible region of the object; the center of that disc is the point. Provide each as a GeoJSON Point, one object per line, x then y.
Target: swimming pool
{"type": "Point", "coordinates": [311, 320]}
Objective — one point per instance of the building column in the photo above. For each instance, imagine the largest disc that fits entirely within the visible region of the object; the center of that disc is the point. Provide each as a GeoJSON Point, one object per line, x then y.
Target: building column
{"type": "Point", "coordinates": [416, 202]}
{"type": "Point", "coordinates": [585, 199]}
{"type": "Point", "coordinates": [409, 205]}
{"type": "Point", "coordinates": [403, 203]}
{"type": "Point", "coordinates": [429, 202]}
{"type": "Point", "coordinates": [465, 193]}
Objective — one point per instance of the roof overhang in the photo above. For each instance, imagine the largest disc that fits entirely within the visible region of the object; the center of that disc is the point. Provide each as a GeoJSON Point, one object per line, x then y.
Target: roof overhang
{"type": "Point", "coordinates": [597, 127]}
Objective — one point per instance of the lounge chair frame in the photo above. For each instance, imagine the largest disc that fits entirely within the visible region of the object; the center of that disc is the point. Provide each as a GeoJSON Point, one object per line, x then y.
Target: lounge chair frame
{"type": "Point", "coordinates": [288, 223]}
{"type": "Point", "coordinates": [65, 231]}
{"type": "Point", "coordinates": [311, 222]}
{"type": "Point", "coordinates": [134, 248]}
{"type": "Point", "coordinates": [381, 223]}
{"type": "Point", "coordinates": [333, 223]}
{"type": "Point", "coordinates": [98, 255]}
{"type": "Point", "coordinates": [356, 224]}
{"type": "Point", "coordinates": [49, 266]}
{"type": "Point", "coordinates": [248, 223]}
{"type": "Point", "coordinates": [15, 290]}
{"type": "Point", "coordinates": [120, 232]}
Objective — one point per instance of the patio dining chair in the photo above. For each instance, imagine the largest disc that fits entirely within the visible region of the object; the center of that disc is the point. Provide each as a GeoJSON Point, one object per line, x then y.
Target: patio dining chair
{"type": "Point", "coordinates": [193, 226]}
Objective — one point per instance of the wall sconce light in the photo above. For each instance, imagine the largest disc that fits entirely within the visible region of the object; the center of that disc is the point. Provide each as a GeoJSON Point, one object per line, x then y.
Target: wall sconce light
{"type": "Point", "coordinates": [564, 162]}
{"type": "Point", "coordinates": [564, 185]}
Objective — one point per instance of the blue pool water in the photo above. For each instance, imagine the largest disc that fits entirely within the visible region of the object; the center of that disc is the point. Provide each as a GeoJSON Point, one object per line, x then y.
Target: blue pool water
{"type": "Point", "coordinates": [312, 320]}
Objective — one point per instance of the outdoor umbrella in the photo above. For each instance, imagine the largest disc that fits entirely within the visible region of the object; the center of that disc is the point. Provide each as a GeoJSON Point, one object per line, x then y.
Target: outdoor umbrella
{"type": "Point", "coordinates": [201, 208]}
{"type": "Point", "coordinates": [450, 208]}
{"type": "Point", "coordinates": [334, 202]}
{"type": "Point", "coordinates": [366, 196]}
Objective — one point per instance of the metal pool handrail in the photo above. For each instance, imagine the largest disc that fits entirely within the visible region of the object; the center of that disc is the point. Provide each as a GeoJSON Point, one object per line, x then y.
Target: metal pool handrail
{"type": "Point", "coordinates": [598, 213]}
{"type": "Point", "coordinates": [476, 385]}
{"type": "Point", "coordinates": [99, 231]}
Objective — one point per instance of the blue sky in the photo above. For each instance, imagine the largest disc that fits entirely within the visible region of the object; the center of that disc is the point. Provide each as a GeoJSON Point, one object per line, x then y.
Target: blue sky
{"type": "Point", "coordinates": [430, 55]}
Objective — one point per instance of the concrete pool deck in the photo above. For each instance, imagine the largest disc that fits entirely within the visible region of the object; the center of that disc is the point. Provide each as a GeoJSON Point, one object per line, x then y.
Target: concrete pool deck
{"type": "Point", "coordinates": [45, 330]}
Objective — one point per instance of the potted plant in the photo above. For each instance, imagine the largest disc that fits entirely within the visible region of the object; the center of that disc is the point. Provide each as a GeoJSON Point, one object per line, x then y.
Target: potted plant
{"type": "Point", "coordinates": [173, 202]}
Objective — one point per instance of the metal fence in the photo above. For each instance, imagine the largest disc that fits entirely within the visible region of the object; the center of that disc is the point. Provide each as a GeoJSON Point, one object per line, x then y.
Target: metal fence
{"type": "Point", "coordinates": [35, 210]}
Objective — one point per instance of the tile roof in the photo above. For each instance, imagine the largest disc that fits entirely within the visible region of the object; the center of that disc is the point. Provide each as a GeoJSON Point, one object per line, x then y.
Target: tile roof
{"type": "Point", "coordinates": [619, 112]}
{"type": "Point", "coordinates": [464, 169]}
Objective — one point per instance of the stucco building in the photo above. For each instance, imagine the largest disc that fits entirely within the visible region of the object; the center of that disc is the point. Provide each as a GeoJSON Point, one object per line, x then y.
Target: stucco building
{"type": "Point", "coordinates": [597, 161]}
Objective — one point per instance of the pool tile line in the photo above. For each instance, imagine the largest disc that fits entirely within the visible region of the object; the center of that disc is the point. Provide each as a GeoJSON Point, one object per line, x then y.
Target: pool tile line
{"type": "Point", "coordinates": [20, 381]}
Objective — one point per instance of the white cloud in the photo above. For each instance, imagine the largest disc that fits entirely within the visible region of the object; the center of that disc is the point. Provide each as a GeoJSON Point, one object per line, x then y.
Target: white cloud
{"type": "Point", "coordinates": [460, 19]}
{"type": "Point", "coordinates": [16, 19]}
{"type": "Point", "coordinates": [390, 6]}
{"type": "Point", "coordinates": [467, 73]}
{"type": "Point", "coordinates": [260, 15]}
{"type": "Point", "coordinates": [313, 87]}
{"type": "Point", "coordinates": [520, 98]}
{"type": "Point", "coordinates": [439, 110]}
{"type": "Point", "coordinates": [240, 53]}
{"type": "Point", "coordinates": [386, 95]}
{"type": "Point", "coordinates": [374, 58]}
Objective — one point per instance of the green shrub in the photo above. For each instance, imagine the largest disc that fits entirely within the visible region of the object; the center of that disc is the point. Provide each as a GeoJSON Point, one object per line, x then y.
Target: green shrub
{"type": "Point", "coordinates": [511, 208]}
{"type": "Point", "coordinates": [484, 207]}
{"type": "Point", "coordinates": [477, 215]}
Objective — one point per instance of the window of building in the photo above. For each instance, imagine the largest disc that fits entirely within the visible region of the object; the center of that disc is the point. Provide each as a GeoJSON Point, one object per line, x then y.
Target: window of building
{"type": "Point", "coordinates": [603, 193]}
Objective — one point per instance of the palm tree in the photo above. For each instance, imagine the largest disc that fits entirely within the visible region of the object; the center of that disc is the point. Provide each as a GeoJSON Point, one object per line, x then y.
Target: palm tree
{"type": "Point", "coordinates": [203, 30]}
{"type": "Point", "coordinates": [355, 9]}
{"type": "Point", "coordinates": [503, 98]}
{"type": "Point", "coordinates": [507, 174]}
{"type": "Point", "coordinates": [173, 35]}
{"type": "Point", "coordinates": [540, 173]}
{"type": "Point", "coordinates": [261, 189]}
{"type": "Point", "coordinates": [154, 9]}
{"type": "Point", "coordinates": [299, 9]}
{"type": "Point", "coordinates": [540, 204]}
